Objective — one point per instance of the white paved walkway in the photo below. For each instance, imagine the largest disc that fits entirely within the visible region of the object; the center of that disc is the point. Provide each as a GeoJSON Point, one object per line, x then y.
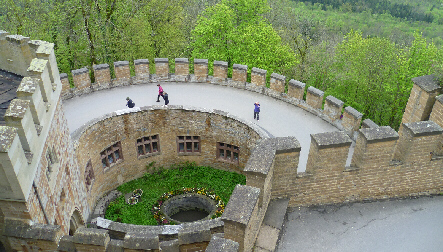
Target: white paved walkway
{"type": "Point", "coordinates": [277, 117]}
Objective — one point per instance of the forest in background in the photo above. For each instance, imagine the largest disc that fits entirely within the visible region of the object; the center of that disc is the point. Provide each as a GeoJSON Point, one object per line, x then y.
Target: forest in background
{"type": "Point", "coordinates": [364, 52]}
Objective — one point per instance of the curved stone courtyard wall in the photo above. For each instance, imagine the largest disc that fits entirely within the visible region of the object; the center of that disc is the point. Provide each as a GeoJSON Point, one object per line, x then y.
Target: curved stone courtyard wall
{"type": "Point", "coordinates": [168, 123]}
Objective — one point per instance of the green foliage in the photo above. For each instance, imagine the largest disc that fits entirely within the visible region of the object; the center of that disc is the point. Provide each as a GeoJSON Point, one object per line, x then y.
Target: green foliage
{"type": "Point", "coordinates": [236, 32]}
{"type": "Point", "coordinates": [161, 180]}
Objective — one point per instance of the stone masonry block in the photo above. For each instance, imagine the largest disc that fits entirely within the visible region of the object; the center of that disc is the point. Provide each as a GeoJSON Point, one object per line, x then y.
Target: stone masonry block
{"type": "Point", "coordinates": [221, 70]}
{"type": "Point", "coordinates": [278, 82]}
{"type": "Point", "coordinates": [296, 89]}
{"type": "Point", "coordinates": [333, 107]}
{"type": "Point", "coordinates": [314, 97]}
{"type": "Point", "coordinates": [122, 72]}
{"type": "Point", "coordinates": [81, 78]}
{"type": "Point", "coordinates": [258, 76]}
{"type": "Point", "coordinates": [218, 244]}
{"type": "Point", "coordinates": [162, 67]}
{"type": "Point", "coordinates": [351, 120]}
{"type": "Point", "coordinates": [239, 73]}
{"type": "Point", "coordinates": [201, 70]}
{"type": "Point", "coordinates": [102, 75]}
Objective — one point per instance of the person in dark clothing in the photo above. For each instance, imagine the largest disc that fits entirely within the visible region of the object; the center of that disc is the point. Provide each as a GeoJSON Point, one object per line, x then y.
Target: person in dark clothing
{"type": "Point", "coordinates": [130, 103]}
{"type": "Point", "coordinates": [160, 93]}
{"type": "Point", "coordinates": [166, 98]}
{"type": "Point", "coordinates": [257, 111]}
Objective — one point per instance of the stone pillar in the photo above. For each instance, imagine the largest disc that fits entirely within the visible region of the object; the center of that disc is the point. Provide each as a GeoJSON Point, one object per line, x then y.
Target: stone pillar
{"type": "Point", "coordinates": [421, 99]}
{"type": "Point", "coordinates": [30, 90]}
{"type": "Point", "coordinates": [259, 170]}
{"type": "Point", "coordinates": [19, 116]}
{"type": "Point", "coordinates": [122, 73]}
{"type": "Point", "coordinates": [296, 89]}
{"type": "Point", "coordinates": [141, 67]}
{"type": "Point", "coordinates": [66, 86]}
{"type": "Point", "coordinates": [240, 217]}
{"type": "Point", "coordinates": [200, 70]}
{"type": "Point", "coordinates": [18, 54]}
{"type": "Point", "coordinates": [162, 67]}
{"type": "Point", "coordinates": [239, 74]}
{"type": "Point", "coordinates": [314, 97]}
{"type": "Point", "coordinates": [418, 141]}
{"type": "Point", "coordinates": [82, 82]}
{"type": "Point", "coordinates": [351, 120]}
{"type": "Point", "coordinates": [333, 107]}
{"type": "Point", "coordinates": [181, 69]}
{"type": "Point", "coordinates": [102, 76]}
{"type": "Point", "coordinates": [258, 77]}
{"type": "Point", "coordinates": [220, 71]}
{"type": "Point", "coordinates": [287, 154]}
{"type": "Point", "coordinates": [13, 160]}
{"type": "Point", "coordinates": [328, 152]}
{"type": "Point", "coordinates": [374, 147]}
{"type": "Point", "coordinates": [278, 82]}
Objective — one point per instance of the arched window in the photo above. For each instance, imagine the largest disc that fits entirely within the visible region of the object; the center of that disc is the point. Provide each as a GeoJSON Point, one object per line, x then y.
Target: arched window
{"type": "Point", "coordinates": [75, 222]}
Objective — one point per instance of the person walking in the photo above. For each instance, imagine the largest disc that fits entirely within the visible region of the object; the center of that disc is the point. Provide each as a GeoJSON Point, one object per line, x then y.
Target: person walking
{"type": "Point", "coordinates": [129, 103]}
{"type": "Point", "coordinates": [160, 93]}
{"type": "Point", "coordinates": [257, 111]}
{"type": "Point", "coordinates": [166, 98]}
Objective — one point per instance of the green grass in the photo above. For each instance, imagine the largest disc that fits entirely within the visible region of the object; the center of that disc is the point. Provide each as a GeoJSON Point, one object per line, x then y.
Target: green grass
{"type": "Point", "coordinates": [159, 180]}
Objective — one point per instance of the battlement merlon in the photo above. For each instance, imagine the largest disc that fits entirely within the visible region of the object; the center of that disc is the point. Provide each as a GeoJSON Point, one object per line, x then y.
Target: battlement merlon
{"type": "Point", "coordinates": [328, 150]}
{"type": "Point", "coordinates": [374, 146]}
{"type": "Point", "coordinates": [29, 89]}
{"type": "Point", "coordinates": [39, 69]}
{"type": "Point", "coordinates": [13, 165]}
{"type": "Point", "coordinates": [418, 140]}
{"type": "Point", "coordinates": [15, 53]}
{"type": "Point", "coordinates": [45, 50]}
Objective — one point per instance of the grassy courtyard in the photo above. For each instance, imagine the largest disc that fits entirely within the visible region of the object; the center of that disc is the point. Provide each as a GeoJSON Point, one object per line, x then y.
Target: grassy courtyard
{"type": "Point", "coordinates": [158, 181]}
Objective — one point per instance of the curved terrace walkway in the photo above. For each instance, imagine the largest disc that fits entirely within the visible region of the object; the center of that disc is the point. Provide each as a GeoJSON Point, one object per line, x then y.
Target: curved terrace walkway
{"type": "Point", "coordinates": [395, 225]}
{"type": "Point", "coordinates": [278, 118]}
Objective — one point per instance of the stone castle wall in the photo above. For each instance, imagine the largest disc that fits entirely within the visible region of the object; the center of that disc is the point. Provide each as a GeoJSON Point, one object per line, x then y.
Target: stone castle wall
{"type": "Point", "coordinates": [43, 184]}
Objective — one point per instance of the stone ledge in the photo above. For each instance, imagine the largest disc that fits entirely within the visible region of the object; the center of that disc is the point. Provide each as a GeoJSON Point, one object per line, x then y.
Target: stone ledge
{"type": "Point", "coordinates": [352, 111]}
{"type": "Point", "coordinates": [278, 77]}
{"type": "Point", "coordinates": [258, 71]}
{"type": "Point", "coordinates": [28, 230]}
{"type": "Point", "coordinates": [220, 63]}
{"type": "Point", "coordinates": [161, 60]}
{"type": "Point", "coordinates": [240, 67]}
{"type": "Point", "coordinates": [218, 244]}
{"type": "Point", "coordinates": [181, 60]}
{"type": "Point", "coordinates": [297, 84]}
{"type": "Point", "coordinates": [424, 128]}
{"type": "Point", "coordinates": [91, 236]}
{"type": "Point", "coordinates": [100, 67]}
{"type": "Point", "coordinates": [331, 139]}
{"type": "Point", "coordinates": [429, 83]}
{"type": "Point", "coordinates": [379, 134]}
{"type": "Point", "coordinates": [315, 91]}
{"type": "Point", "coordinates": [368, 123]}
{"type": "Point", "coordinates": [241, 204]}
{"type": "Point", "coordinates": [141, 62]}
{"type": "Point", "coordinates": [334, 101]}
{"type": "Point", "coordinates": [201, 61]}
{"type": "Point", "coordinates": [121, 63]}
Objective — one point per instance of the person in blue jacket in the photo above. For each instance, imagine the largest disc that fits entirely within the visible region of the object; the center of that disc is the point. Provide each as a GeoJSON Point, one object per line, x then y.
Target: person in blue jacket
{"type": "Point", "coordinates": [130, 103]}
{"type": "Point", "coordinates": [257, 111]}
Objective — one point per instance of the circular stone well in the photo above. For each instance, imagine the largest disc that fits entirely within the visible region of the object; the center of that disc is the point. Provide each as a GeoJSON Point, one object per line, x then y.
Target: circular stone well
{"type": "Point", "coordinates": [189, 207]}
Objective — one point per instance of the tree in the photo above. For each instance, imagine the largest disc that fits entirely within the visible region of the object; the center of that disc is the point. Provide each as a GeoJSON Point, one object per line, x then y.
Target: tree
{"type": "Point", "coordinates": [236, 32]}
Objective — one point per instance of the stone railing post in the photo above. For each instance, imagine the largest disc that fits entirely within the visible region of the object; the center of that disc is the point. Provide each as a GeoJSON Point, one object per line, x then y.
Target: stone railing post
{"type": "Point", "coordinates": [374, 147]}
{"type": "Point", "coordinates": [240, 216]}
{"type": "Point", "coordinates": [122, 73]}
{"type": "Point", "coordinates": [333, 107]}
{"type": "Point", "coordinates": [421, 99]}
{"type": "Point", "coordinates": [314, 97]}
{"type": "Point", "coordinates": [182, 69]}
{"type": "Point", "coordinates": [239, 74]}
{"type": "Point", "coordinates": [162, 67]}
{"type": "Point", "coordinates": [66, 87]}
{"type": "Point", "coordinates": [351, 120]}
{"type": "Point", "coordinates": [142, 74]}
{"type": "Point", "coordinates": [418, 141]}
{"type": "Point", "coordinates": [200, 70]}
{"type": "Point", "coordinates": [258, 76]}
{"type": "Point", "coordinates": [82, 82]}
{"type": "Point", "coordinates": [296, 89]}
{"type": "Point", "coordinates": [277, 82]}
{"type": "Point", "coordinates": [220, 71]}
{"type": "Point", "coordinates": [102, 76]}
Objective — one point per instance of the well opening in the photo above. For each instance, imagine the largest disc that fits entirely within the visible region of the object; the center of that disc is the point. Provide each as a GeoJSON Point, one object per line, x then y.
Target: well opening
{"type": "Point", "coordinates": [188, 208]}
